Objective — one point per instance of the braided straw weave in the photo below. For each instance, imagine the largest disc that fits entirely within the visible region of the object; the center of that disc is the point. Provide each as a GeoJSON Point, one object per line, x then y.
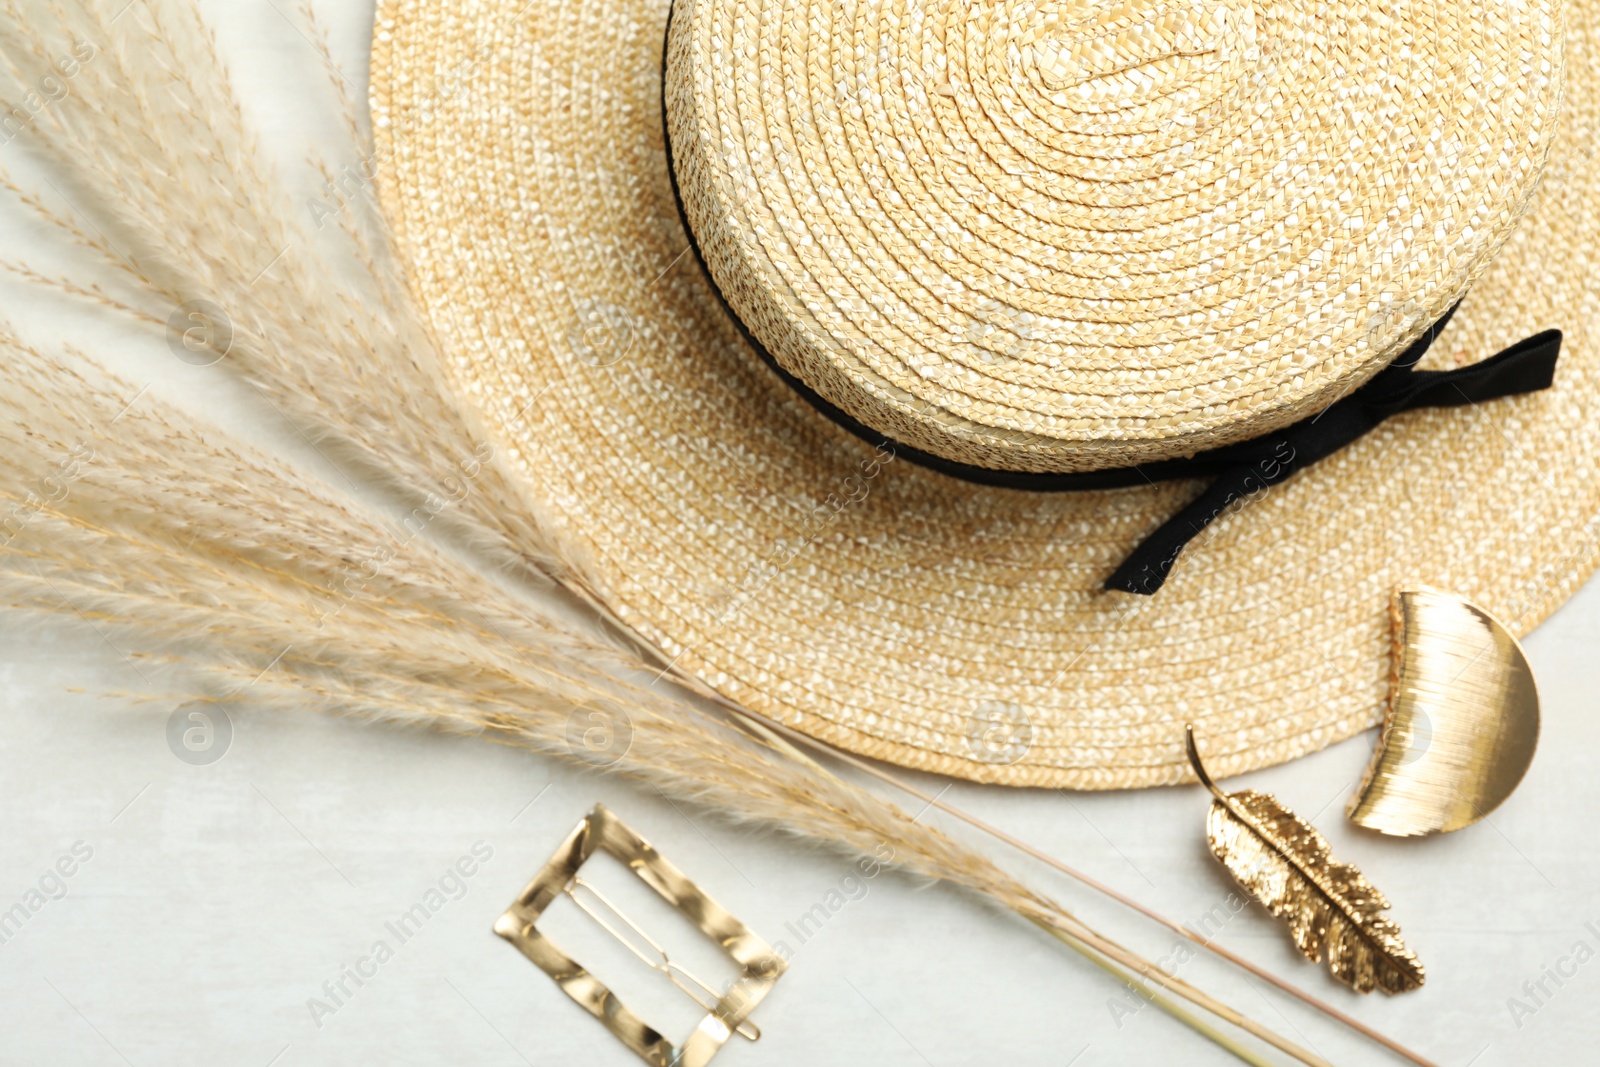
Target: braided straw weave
{"type": "Point", "coordinates": [960, 628]}
{"type": "Point", "coordinates": [1056, 237]}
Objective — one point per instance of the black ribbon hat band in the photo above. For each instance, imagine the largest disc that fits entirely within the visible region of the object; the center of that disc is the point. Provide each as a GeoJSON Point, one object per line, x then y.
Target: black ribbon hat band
{"type": "Point", "coordinates": [1243, 469]}
{"type": "Point", "coordinates": [1238, 470]}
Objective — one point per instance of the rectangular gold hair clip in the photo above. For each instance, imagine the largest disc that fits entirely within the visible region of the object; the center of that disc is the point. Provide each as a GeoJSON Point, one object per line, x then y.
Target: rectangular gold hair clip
{"type": "Point", "coordinates": [759, 966]}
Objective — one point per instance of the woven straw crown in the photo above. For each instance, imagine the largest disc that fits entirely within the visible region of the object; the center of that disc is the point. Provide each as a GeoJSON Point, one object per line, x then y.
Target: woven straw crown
{"type": "Point", "coordinates": [1068, 236]}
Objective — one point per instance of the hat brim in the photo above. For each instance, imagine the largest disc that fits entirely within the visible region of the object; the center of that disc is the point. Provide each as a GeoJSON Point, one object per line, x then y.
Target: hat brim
{"type": "Point", "coordinates": [888, 609]}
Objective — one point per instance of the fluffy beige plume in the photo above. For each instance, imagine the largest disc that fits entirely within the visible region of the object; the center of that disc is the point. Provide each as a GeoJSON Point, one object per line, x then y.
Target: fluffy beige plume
{"type": "Point", "coordinates": [234, 563]}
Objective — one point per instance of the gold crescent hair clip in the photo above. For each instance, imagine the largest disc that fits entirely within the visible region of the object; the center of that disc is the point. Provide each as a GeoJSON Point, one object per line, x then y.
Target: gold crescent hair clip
{"type": "Point", "coordinates": [1461, 725]}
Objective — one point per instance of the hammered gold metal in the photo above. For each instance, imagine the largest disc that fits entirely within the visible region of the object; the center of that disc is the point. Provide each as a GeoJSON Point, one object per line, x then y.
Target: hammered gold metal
{"type": "Point", "coordinates": [759, 965]}
{"type": "Point", "coordinates": [1462, 722]}
{"type": "Point", "coordinates": [1287, 866]}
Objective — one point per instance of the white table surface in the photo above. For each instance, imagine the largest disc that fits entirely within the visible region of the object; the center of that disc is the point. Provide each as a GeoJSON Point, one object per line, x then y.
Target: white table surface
{"type": "Point", "coordinates": [209, 905]}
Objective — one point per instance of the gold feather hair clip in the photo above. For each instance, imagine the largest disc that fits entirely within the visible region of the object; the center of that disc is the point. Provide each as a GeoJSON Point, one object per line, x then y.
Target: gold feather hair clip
{"type": "Point", "coordinates": [1288, 867]}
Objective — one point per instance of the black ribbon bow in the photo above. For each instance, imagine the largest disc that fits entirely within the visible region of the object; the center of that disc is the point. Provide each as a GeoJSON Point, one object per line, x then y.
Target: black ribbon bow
{"type": "Point", "coordinates": [1251, 466]}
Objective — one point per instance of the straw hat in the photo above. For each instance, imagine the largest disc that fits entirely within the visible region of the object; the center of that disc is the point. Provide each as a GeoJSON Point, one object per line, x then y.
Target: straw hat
{"type": "Point", "coordinates": [1031, 245]}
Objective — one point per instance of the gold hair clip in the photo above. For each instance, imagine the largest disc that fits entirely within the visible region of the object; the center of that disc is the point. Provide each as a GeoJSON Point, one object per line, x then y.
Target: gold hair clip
{"type": "Point", "coordinates": [1461, 725]}
{"type": "Point", "coordinates": [1287, 866]}
{"type": "Point", "coordinates": [726, 1015]}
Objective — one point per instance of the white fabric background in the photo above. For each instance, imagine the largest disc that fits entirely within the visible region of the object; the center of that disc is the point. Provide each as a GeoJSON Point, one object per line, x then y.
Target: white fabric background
{"type": "Point", "coordinates": [219, 899]}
